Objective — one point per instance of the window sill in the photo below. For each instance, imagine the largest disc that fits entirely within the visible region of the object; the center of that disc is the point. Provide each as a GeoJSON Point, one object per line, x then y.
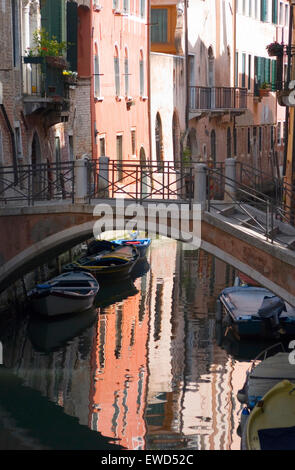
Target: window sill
{"type": "Point", "coordinates": [98, 98]}
{"type": "Point", "coordinates": [128, 98]}
{"type": "Point", "coordinates": [119, 98]}
{"type": "Point", "coordinates": [97, 7]}
{"type": "Point", "coordinates": [117, 12]}
{"type": "Point", "coordinates": [144, 98]}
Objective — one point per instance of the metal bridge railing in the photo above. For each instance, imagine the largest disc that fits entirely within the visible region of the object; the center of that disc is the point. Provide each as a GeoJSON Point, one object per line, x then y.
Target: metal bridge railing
{"type": "Point", "coordinates": [39, 182]}
{"type": "Point", "coordinates": [140, 181]}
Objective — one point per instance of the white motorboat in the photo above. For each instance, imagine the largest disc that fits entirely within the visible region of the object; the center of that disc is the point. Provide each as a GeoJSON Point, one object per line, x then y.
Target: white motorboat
{"type": "Point", "coordinates": [70, 292]}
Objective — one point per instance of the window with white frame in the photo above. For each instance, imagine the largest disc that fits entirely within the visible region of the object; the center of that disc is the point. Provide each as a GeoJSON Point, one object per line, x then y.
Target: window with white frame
{"type": "Point", "coordinates": [142, 8]}
{"type": "Point", "coordinates": [115, 4]}
{"type": "Point", "coordinates": [18, 141]}
{"type": "Point", "coordinates": [126, 73]}
{"type": "Point", "coordinates": [126, 6]}
{"type": "Point", "coordinates": [141, 75]}
{"type": "Point", "coordinates": [96, 75]}
{"type": "Point", "coordinates": [117, 72]}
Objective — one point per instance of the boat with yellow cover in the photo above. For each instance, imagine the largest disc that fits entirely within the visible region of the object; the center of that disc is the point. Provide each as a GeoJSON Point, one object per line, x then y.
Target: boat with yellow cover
{"type": "Point", "coordinates": [271, 424]}
{"type": "Point", "coordinates": [118, 263]}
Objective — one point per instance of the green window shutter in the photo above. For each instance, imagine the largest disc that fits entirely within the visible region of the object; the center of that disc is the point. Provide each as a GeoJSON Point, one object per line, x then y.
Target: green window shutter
{"type": "Point", "coordinates": [273, 75]}
{"type": "Point", "coordinates": [267, 70]}
{"type": "Point", "coordinates": [159, 20]}
{"type": "Point", "coordinates": [259, 71]}
{"type": "Point", "coordinates": [262, 69]}
{"type": "Point", "coordinates": [51, 17]}
{"type": "Point", "coordinates": [274, 11]}
{"type": "Point", "coordinates": [72, 38]}
{"type": "Point", "coordinates": [263, 11]}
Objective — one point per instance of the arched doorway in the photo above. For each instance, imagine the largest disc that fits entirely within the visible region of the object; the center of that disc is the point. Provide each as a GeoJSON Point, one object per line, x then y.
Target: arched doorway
{"type": "Point", "coordinates": [144, 174]}
{"type": "Point", "coordinates": [36, 167]}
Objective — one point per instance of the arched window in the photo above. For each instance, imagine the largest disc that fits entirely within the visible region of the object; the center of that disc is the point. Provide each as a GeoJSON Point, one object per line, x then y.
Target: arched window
{"type": "Point", "coordinates": [126, 72]}
{"type": "Point", "coordinates": [96, 74]}
{"type": "Point", "coordinates": [159, 142]}
{"type": "Point", "coordinates": [141, 74]}
{"type": "Point", "coordinates": [117, 72]}
{"type": "Point", "coordinates": [210, 67]}
{"type": "Point", "coordinates": [213, 146]}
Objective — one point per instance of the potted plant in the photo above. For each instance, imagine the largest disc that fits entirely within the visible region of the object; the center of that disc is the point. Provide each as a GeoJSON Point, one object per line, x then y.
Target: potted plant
{"type": "Point", "coordinates": [46, 49]}
{"type": "Point", "coordinates": [70, 77]}
{"type": "Point", "coordinates": [275, 49]}
{"type": "Point", "coordinates": [264, 89]}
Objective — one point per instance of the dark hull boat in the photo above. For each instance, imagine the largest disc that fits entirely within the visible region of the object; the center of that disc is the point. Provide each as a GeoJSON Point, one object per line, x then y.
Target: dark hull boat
{"type": "Point", "coordinates": [255, 311]}
{"type": "Point", "coordinates": [116, 264]}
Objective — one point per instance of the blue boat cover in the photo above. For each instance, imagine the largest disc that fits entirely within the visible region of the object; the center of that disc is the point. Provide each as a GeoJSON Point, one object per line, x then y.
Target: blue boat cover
{"type": "Point", "coordinates": [271, 307]}
{"type": "Point", "coordinates": [44, 286]}
{"type": "Point", "coordinates": [277, 438]}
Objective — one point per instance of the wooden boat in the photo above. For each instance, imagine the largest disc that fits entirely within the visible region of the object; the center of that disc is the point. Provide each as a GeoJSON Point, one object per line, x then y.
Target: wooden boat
{"type": "Point", "coordinates": [271, 424]}
{"type": "Point", "coordinates": [141, 244]}
{"type": "Point", "coordinates": [118, 263]}
{"type": "Point", "coordinates": [255, 311]}
{"type": "Point", "coordinates": [70, 292]}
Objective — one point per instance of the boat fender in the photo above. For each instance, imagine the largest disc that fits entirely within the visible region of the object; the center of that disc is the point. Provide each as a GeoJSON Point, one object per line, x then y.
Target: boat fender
{"type": "Point", "coordinates": [218, 311]}
{"type": "Point", "coordinates": [242, 395]}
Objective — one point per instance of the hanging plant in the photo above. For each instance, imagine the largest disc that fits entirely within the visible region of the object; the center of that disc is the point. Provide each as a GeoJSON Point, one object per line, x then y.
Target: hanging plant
{"type": "Point", "coordinates": [275, 49]}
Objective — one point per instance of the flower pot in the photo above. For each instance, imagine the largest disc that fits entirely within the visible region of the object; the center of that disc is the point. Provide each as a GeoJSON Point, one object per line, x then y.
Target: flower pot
{"type": "Point", "coordinates": [56, 62]}
{"type": "Point", "coordinates": [263, 92]}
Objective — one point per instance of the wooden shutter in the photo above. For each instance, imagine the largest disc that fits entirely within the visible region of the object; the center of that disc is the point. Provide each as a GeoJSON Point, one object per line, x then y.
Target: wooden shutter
{"type": "Point", "coordinates": [273, 75]}
{"type": "Point", "coordinates": [274, 11]}
{"type": "Point", "coordinates": [72, 35]}
{"type": "Point", "coordinates": [159, 30]}
{"type": "Point", "coordinates": [263, 11]}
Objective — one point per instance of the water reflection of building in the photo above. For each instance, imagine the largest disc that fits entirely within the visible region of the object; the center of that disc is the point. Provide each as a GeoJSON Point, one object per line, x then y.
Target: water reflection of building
{"type": "Point", "coordinates": [193, 405]}
{"type": "Point", "coordinates": [119, 370]}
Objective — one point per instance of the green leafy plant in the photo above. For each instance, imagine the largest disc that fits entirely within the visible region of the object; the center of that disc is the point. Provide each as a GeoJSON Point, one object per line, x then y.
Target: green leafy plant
{"type": "Point", "coordinates": [44, 45]}
{"type": "Point", "coordinates": [265, 86]}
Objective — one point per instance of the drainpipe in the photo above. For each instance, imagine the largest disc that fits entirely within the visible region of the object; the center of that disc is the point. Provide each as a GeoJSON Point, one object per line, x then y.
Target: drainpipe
{"type": "Point", "coordinates": [149, 77]}
{"type": "Point", "coordinates": [186, 63]}
{"type": "Point", "coordinates": [10, 130]}
{"type": "Point", "coordinates": [234, 60]}
{"type": "Point", "coordinates": [288, 80]}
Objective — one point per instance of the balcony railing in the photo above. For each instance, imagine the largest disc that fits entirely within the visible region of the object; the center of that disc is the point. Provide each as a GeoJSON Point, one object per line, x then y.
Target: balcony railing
{"type": "Point", "coordinates": [217, 98]}
{"type": "Point", "coordinates": [43, 78]}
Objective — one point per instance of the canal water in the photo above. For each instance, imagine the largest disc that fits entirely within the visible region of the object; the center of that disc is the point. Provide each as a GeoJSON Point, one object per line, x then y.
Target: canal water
{"type": "Point", "coordinates": [147, 368]}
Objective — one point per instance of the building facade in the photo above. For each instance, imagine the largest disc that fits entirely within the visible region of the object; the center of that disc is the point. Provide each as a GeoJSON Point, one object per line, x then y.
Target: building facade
{"type": "Point", "coordinates": [120, 86]}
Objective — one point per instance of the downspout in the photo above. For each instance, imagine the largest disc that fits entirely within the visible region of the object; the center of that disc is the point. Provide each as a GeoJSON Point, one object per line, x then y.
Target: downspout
{"type": "Point", "coordinates": [186, 63]}
{"type": "Point", "coordinates": [234, 65]}
{"type": "Point", "coordinates": [149, 77]}
{"type": "Point", "coordinates": [12, 138]}
{"type": "Point", "coordinates": [288, 80]}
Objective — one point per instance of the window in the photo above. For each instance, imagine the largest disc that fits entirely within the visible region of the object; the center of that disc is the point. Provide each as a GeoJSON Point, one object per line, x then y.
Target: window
{"type": "Point", "coordinates": [126, 6]}
{"type": "Point", "coordinates": [102, 148]}
{"type": "Point", "coordinates": [279, 133]}
{"type": "Point", "coordinates": [260, 139]}
{"type": "Point", "coordinates": [250, 7]}
{"type": "Point", "coordinates": [18, 141]}
{"type": "Point", "coordinates": [235, 141]}
{"type": "Point", "coordinates": [71, 148]}
{"type": "Point", "coordinates": [228, 142]}
{"type": "Point", "coordinates": [1, 148]}
{"type": "Point", "coordinates": [281, 13]}
{"type": "Point", "coordinates": [133, 141]}
{"type": "Point", "coordinates": [15, 32]}
{"type": "Point", "coordinates": [126, 73]}
{"type": "Point", "coordinates": [159, 26]}
{"type": "Point", "coordinates": [264, 10]}
{"type": "Point", "coordinates": [96, 76]}
{"type": "Point", "coordinates": [159, 142]}
{"type": "Point", "coordinates": [271, 137]}
{"type": "Point", "coordinates": [141, 76]}
{"type": "Point", "coordinates": [115, 4]}
{"type": "Point", "coordinates": [142, 8]}
{"type": "Point", "coordinates": [237, 70]}
{"type": "Point", "coordinates": [286, 15]}
{"type": "Point", "coordinates": [249, 72]}
{"type": "Point", "coordinates": [243, 70]}
{"type": "Point", "coordinates": [117, 73]}
{"type": "Point", "coordinates": [256, 9]}
{"type": "Point", "coordinates": [274, 11]}
{"type": "Point", "coordinates": [244, 7]}
{"type": "Point", "coordinates": [249, 141]}
{"type": "Point", "coordinates": [119, 147]}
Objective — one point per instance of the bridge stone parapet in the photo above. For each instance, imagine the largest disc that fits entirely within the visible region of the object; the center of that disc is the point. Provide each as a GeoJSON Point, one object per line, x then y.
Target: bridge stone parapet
{"type": "Point", "coordinates": [29, 236]}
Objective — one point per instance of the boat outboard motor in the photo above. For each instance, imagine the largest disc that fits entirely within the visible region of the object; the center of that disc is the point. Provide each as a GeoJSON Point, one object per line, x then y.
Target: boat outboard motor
{"type": "Point", "coordinates": [270, 311]}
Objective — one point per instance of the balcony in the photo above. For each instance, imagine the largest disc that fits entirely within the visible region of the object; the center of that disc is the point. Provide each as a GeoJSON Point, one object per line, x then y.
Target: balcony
{"type": "Point", "coordinates": [216, 101]}
{"type": "Point", "coordinates": [44, 87]}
